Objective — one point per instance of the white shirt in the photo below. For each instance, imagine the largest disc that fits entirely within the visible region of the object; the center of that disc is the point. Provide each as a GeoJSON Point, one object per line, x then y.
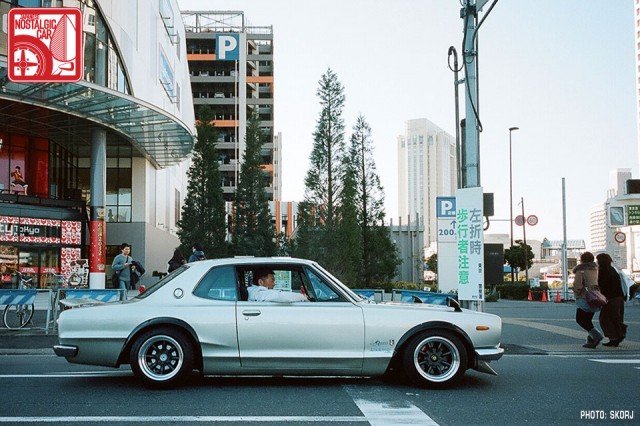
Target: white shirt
{"type": "Point", "coordinates": [258, 293]}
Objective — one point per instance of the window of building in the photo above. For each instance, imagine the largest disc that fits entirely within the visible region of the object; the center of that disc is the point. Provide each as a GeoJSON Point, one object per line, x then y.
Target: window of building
{"type": "Point", "coordinates": [119, 183]}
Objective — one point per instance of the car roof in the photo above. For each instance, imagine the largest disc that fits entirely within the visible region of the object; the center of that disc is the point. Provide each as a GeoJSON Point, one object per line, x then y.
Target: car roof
{"type": "Point", "coordinates": [250, 260]}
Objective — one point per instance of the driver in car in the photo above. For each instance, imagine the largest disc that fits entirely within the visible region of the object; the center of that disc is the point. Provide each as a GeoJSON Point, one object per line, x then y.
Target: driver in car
{"type": "Point", "coordinates": [262, 289]}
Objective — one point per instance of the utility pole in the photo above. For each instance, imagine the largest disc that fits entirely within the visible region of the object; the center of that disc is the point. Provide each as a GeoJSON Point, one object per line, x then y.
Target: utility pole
{"type": "Point", "coordinates": [524, 236]}
{"type": "Point", "coordinates": [471, 166]}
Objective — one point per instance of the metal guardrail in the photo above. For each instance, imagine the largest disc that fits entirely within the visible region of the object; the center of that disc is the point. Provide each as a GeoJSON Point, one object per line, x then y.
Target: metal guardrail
{"type": "Point", "coordinates": [18, 296]}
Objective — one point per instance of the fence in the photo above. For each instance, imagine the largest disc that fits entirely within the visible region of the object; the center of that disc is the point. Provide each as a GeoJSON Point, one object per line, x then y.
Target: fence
{"type": "Point", "coordinates": [75, 297]}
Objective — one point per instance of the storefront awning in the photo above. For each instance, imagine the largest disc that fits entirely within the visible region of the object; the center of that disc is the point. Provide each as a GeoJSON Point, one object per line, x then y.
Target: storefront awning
{"type": "Point", "coordinates": [66, 113]}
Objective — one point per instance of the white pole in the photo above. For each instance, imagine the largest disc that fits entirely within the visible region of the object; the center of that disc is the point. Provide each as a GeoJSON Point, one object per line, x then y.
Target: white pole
{"type": "Point", "coordinates": [565, 272]}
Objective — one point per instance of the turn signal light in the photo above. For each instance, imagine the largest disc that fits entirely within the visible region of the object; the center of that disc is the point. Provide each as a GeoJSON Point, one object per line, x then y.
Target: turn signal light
{"type": "Point", "coordinates": [482, 327]}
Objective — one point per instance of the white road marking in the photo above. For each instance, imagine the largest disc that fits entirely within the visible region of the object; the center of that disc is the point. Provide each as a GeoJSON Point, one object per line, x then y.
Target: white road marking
{"type": "Point", "coordinates": [175, 419]}
{"type": "Point", "coordinates": [62, 375]}
{"type": "Point", "coordinates": [617, 361]}
{"type": "Point", "coordinates": [378, 411]}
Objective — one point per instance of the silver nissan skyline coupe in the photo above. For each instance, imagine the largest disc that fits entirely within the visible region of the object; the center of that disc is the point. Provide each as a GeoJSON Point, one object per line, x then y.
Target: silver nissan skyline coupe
{"type": "Point", "coordinates": [198, 318]}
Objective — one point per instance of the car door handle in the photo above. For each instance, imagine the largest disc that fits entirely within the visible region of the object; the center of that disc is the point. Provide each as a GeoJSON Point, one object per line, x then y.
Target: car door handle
{"type": "Point", "coordinates": [251, 313]}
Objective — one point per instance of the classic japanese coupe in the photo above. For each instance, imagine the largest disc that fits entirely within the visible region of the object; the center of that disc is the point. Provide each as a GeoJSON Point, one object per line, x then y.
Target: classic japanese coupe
{"type": "Point", "coordinates": [198, 318]}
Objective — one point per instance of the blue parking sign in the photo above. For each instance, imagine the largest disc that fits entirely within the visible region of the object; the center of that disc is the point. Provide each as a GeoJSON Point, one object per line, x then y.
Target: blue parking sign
{"type": "Point", "coordinates": [445, 207]}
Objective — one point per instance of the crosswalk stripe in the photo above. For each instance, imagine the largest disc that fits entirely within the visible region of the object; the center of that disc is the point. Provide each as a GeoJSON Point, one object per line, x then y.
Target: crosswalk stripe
{"type": "Point", "coordinates": [379, 412]}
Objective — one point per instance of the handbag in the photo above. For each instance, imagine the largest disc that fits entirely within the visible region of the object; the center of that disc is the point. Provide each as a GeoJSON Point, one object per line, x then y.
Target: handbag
{"type": "Point", "coordinates": [115, 280]}
{"type": "Point", "coordinates": [595, 299]}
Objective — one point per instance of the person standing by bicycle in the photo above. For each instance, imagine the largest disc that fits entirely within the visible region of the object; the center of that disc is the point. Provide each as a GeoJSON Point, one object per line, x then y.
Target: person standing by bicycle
{"type": "Point", "coordinates": [122, 266]}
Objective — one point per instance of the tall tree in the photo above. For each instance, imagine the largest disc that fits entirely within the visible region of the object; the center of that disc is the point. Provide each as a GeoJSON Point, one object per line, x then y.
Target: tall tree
{"type": "Point", "coordinates": [348, 248]}
{"type": "Point", "coordinates": [379, 257]}
{"type": "Point", "coordinates": [318, 219]}
{"type": "Point", "coordinates": [323, 178]}
{"type": "Point", "coordinates": [203, 213]}
{"type": "Point", "coordinates": [253, 232]}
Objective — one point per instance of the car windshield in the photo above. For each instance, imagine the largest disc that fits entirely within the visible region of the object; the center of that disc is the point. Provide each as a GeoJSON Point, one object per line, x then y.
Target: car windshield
{"type": "Point", "coordinates": [158, 284]}
{"type": "Point", "coordinates": [337, 282]}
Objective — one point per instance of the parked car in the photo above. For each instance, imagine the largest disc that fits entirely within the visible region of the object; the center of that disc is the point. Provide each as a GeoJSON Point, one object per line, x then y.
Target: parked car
{"type": "Point", "coordinates": [198, 318]}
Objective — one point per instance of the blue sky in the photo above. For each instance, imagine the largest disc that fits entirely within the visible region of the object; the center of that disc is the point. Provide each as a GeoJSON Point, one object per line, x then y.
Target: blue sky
{"type": "Point", "coordinates": [561, 71]}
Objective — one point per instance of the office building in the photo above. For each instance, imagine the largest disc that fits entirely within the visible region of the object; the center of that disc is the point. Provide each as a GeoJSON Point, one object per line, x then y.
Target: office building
{"type": "Point", "coordinates": [426, 170]}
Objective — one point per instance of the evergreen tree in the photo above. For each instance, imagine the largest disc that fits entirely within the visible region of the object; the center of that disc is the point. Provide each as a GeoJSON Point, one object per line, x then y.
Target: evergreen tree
{"type": "Point", "coordinates": [253, 233]}
{"type": "Point", "coordinates": [203, 213]}
{"type": "Point", "coordinates": [323, 178]}
{"type": "Point", "coordinates": [379, 257]}
{"type": "Point", "coordinates": [318, 219]}
{"type": "Point", "coordinates": [347, 262]}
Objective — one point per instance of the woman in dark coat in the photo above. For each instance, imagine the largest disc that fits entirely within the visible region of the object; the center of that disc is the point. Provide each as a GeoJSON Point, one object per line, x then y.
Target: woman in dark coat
{"type": "Point", "coordinates": [612, 314]}
{"type": "Point", "coordinates": [176, 261]}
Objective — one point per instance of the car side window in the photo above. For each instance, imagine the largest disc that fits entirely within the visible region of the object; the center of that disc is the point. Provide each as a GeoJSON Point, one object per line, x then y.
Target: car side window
{"type": "Point", "coordinates": [321, 291]}
{"type": "Point", "coordinates": [218, 284]}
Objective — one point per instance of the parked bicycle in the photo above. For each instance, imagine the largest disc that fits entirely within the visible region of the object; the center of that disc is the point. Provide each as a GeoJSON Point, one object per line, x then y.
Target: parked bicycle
{"type": "Point", "coordinates": [17, 316]}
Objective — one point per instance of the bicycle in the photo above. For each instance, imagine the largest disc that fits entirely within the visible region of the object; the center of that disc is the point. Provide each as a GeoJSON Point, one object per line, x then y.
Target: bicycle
{"type": "Point", "coordinates": [17, 316]}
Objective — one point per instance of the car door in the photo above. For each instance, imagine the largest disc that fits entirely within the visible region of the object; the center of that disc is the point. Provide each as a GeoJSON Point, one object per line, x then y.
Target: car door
{"type": "Point", "coordinates": [323, 335]}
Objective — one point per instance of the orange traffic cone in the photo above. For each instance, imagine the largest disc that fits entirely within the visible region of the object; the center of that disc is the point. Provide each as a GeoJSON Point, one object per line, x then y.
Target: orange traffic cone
{"type": "Point", "coordinates": [544, 296]}
{"type": "Point", "coordinates": [529, 298]}
{"type": "Point", "coordinates": [558, 300]}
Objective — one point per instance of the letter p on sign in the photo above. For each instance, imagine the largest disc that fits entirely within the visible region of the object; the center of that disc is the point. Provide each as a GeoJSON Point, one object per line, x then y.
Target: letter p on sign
{"type": "Point", "coordinates": [227, 47]}
{"type": "Point", "coordinates": [446, 207]}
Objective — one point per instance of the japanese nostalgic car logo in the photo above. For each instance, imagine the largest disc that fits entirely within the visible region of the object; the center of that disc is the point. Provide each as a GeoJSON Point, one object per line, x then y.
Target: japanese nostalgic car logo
{"type": "Point", "coordinates": [45, 44]}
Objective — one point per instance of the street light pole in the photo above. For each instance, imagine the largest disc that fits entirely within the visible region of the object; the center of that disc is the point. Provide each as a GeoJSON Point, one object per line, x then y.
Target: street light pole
{"type": "Point", "coordinates": [511, 129]}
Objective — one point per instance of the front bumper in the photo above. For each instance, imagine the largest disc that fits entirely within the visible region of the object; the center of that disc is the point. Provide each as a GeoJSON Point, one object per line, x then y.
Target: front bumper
{"type": "Point", "coordinates": [66, 351]}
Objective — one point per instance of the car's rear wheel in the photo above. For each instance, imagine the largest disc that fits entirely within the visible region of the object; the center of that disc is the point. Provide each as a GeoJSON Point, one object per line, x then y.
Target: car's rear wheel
{"type": "Point", "coordinates": [435, 358]}
{"type": "Point", "coordinates": [162, 357]}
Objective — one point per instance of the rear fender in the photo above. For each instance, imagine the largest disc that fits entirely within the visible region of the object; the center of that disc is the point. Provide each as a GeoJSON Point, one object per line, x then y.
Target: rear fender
{"type": "Point", "coordinates": [162, 321]}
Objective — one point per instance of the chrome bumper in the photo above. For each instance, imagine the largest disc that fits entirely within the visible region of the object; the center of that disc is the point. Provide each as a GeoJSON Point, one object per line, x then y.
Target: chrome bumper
{"type": "Point", "coordinates": [65, 350]}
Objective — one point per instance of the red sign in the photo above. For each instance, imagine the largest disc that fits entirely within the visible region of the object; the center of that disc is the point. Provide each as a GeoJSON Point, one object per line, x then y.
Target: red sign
{"type": "Point", "coordinates": [519, 220]}
{"type": "Point", "coordinates": [532, 220]}
{"type": "Point", "coordinates": [45, 44]}
{"type": "Point", "coordinates": [620, 237]}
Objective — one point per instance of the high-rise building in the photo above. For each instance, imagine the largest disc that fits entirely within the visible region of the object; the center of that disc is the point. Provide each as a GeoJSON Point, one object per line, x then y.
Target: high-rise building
{"type": "Point", "coordinates": [426, 170]}
{"type": "Point", "coordinates": [231, 67]}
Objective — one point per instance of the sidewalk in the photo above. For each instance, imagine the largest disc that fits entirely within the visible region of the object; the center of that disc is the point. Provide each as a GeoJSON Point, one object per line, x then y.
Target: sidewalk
{"type": "Point", "coordinates": [528, 328]}
{"type": "Point", "coordinates": [34, 338]}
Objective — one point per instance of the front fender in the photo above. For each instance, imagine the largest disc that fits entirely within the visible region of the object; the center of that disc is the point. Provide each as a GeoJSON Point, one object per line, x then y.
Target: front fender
{"type": "Point", "coordinates": [438, 325]}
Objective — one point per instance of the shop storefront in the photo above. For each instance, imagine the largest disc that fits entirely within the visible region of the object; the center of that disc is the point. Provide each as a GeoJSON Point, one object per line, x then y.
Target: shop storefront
{"type": "Point", "coordinates": [38, 242]}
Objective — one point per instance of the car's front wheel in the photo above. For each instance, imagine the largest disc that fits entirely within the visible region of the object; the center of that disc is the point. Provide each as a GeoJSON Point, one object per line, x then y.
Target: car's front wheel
{"type": "Point", "coordinates": [435, 359]}
{"type": "Point", "coordinates": [162, 357]}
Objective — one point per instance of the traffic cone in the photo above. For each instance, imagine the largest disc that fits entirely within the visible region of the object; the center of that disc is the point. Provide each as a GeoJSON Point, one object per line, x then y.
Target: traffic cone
{"type": "Point", "coordinates": [529, 298]}
{"type": "Point", "coordinates": [558, 300]}
{"type": "Point", "coordinates": [544, 296]}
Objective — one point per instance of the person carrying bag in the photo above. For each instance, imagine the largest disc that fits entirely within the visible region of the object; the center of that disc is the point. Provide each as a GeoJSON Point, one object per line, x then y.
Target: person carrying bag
{"type": "Point", "coordinates": [586, 278]}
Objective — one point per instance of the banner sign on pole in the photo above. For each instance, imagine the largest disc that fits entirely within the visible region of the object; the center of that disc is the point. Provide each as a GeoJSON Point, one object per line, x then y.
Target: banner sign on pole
{"type": "Point", "coordinates": [447, 239]}
{"type": "Point", "coordinates": [470, 246]}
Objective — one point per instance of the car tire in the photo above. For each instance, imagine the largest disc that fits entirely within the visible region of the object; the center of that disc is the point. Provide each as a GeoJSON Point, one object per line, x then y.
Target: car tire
{"type": "Point", "coordinates": [162, 357]}
{"type": "Point", "coordinates": [435, 359]}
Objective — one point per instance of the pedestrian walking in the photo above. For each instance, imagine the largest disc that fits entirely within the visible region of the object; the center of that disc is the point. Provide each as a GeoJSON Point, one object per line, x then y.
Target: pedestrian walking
{"type": "Point", "coordinates": [586, 276]}
{"type": "Point", "coordinates": [197, 254]}
{"type": "Point", "coordinates": [176, 261]}
{"type": "Point", "coordinates": [612, 314]}
{"type": "Point", "coordinates": [121, 266]}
